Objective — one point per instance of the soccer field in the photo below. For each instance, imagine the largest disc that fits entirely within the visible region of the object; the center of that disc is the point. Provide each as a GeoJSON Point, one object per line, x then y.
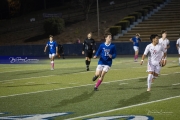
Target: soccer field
{"type": "Point", "coordinates": [34, 92]}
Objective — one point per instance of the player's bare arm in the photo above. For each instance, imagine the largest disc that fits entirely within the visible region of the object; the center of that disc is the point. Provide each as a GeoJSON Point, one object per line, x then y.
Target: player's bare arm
{"type": "Point", "coordinates": [94, 51]}
{"type": "Point", "coordinates": [177, 46]}
{"type": "Point", "coordinates": [95, 57]}
{"type": "Point", "coordinates": [110, 55]}
{"type": "Point", "coordinates": [130, 40]}
{"type": "Point", "coordinates": [168, 46]}
{"type": "Point", "coordinates": [83, 52]}
{"type": "Point", "coordinates": [56, 50]}
{"type": "Point", "coordinates": [142, 60]}
{"type": "Point", "coordinates": [45, 48]}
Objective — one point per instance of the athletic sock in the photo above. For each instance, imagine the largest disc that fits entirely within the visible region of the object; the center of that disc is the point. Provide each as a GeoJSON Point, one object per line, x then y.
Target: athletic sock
{"type": "Point", "coordinates": [52, 64]}
{"type": "Point", "coordinates": [89, 62]}
{"type": "Point", "coordinates": [179, 59]}
{"type": "Point", "coordinates": [150, 76]}
{"type": "Point", "coordinates": [134, 57]}
{"type": "Point", "coordinates": [98, 83]}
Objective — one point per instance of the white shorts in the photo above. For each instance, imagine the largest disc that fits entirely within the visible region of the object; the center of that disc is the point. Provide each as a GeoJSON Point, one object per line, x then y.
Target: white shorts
{"type": "Point", "coordinates": [136, 48]}
{"type": "Point", "coordinates": [52, 55]}
{"type": "Point", "coordinates": [154, 68]}
{"type": "Point", "coordinates": [179, 51]}
{"type": "Point", "coordinates": [104, 68]}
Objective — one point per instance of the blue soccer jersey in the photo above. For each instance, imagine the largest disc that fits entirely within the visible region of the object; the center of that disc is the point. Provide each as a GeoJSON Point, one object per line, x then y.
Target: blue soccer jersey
{"type": "Point", "coordinates": [136, 41]}
{"type": "Point", "coordinates": [104, 51]}
{"type": "Point", "coordinates": [52, 47]}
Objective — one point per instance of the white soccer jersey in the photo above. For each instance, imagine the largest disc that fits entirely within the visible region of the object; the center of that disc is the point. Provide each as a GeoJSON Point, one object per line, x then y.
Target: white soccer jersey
{"type": "Point", "coordinates": [178, 42]}
{"type": "Point", "coordinates": [164, 42]}
{"type": "Point", "coordinates": [155, 53]}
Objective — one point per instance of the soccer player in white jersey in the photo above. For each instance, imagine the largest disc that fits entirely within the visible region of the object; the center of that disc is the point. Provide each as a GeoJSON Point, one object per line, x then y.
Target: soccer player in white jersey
{"type": "Point", "coordinates": [155, 50]}
{"type": "Point", "coordinates": [178, 48]}
{"type": "Point", "coordinates": [164, 42]}
{"type": "Point", "coordinates": [53, 50]}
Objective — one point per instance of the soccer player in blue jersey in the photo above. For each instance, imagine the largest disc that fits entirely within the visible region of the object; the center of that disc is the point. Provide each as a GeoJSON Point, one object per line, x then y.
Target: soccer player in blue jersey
{"type": "Point", "coordinates": [107, 52]}
{"type": "Point", "coordinates": [136, 41]}
{"type": "Point", "coordinates": [53, 50]}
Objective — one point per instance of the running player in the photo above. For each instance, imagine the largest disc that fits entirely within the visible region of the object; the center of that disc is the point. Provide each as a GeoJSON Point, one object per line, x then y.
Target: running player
{"type": "Point", "coordinates": [136, 41]}
{"type": "Point", "coordinates": [89, 47]}
{"type": "Point", "coordinates": [164, 42]}
{"type": "Point", "coordinates": [178, 48]}
{"type": "Point", "coordinates": [155, 50]}
{"type": "Point", "coordinates": [53, 50]}
{"type": "Point", "coordinates": [107, 52]}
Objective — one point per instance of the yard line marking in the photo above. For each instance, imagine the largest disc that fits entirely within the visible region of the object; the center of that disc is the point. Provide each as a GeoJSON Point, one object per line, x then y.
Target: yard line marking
{"type": "Point", "coordinates": [66, 88]}
{"type": "Point", "coordinates": [176, 84]}
{"type": "Point", "coordinates": [112, 110]}
{"type": "Point", "coordinates": [26, 78]}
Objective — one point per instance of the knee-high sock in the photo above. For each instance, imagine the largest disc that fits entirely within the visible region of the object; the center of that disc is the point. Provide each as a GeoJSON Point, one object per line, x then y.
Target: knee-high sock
{"type": "Point", "coordinates": [149, 79]}
{"type": "Point", "coordinates": [136, 56]}
{"type": "Point", "coordinates": [89, 62]}
{"type": "Point", "coordinates": [52, 64]}
{"type": "Point", "coordinates": [86, 62]}
{"type": "Point", "coordinates": [98, 83]}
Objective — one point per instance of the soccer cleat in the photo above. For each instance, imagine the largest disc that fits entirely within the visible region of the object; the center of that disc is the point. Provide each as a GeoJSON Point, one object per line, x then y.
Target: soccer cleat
{"type": "Point", "coordinates": [95, 89]}
{"type": "Point", "coordinates": [148, 89]}
{"type": "Point", "coordinates": [94, 78]}
{"type": "Point", "coordinates": [52, 68]}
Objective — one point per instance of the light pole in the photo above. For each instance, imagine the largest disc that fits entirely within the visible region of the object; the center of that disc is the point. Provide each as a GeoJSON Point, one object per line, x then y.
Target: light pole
{"type": "Point", "coordinates": [98, 16]}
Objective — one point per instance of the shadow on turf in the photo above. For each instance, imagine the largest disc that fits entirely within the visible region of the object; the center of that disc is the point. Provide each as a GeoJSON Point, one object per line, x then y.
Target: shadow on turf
{"type": "Point", "coordinates": [143, 97]}
{"type": "Point", "coordinates": [83, 97]}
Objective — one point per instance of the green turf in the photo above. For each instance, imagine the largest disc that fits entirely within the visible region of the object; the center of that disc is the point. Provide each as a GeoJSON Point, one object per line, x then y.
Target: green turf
{"type": "Point", "coordinates": [35, 89]}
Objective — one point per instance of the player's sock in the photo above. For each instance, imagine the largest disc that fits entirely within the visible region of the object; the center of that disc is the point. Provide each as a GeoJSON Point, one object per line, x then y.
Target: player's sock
{"type": "Point", "coordinates": [136, 57]}
{"type": "Point", "coordinates": [89, 62]}
{"type": "Point", "coordinates": [98, 83]}
{"type": "Point", "coordinates": [150, 76]}
{"type": "Point", "coordinates": [179, 60]}
{"type": "Point", "coordinates": [52, 64]}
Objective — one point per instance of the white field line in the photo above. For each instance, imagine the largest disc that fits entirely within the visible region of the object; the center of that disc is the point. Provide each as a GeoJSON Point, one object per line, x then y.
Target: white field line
{"type": "Point", "coordinates": [67, 88]}
{"type": "Point", "coordinates": [70, 87]}
{"type": "Point", "coordinates": [51, 75]}
{"type": "Point", "coordinates": [108, 111]}
{"type": "Point", "coordinates": [176, 84]}
{"type": "Point", "coordinates": [123, 83]}
{"type": "Point", "coordinates": [26, 78]}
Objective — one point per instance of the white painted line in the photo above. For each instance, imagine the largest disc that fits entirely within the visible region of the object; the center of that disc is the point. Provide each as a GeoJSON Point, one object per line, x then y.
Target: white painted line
{"type": "Point", "coordinates": [176, 84]}
{"type": "Point", "coordinates": [8, 83]}
{"type": "Point", "coordinates": [123, 83]}
{"type": "Point", "coordinates": [73, 83]}
{"type": "Point", "coordinates": [69, 87]}
{"type": "Point", "coordinates": [66, 88]}
{"type": "Point", "coordinates": [108, 111]}
{"type": "Point", "coordinates": [177, 72]}
{"type": "Point", "coordinates": [27, 78]}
